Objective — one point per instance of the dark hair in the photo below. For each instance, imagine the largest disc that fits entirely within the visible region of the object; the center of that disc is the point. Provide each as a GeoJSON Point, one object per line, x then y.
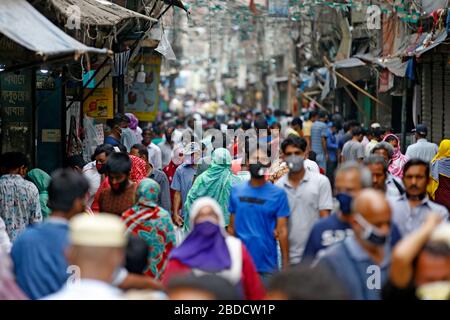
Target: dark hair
{"type": "Point", "coordinates": [220, 288]}
{"type": "Point", "coordinates": [416, 162]}
{"type": "Point", "coordinates": [376, 159]}
{"type": "Point", "coordinates": [142, 150]}
{"type": "Point", "coordinates": [246, 125]}
{"type": "Point", "coordinates": [312, 156]}
{"type": "Point", "coordinates": [357, 131]}
{"type": "Point", "coordinates": [261, 123]}
{"type": "Point", "coordinates": [437, 248]}
{"type": "Point", "coordinates": [118, 163]}
{"type": "Point", "coordinates": [295, 142]}
{"type": "Point", "coordinates": [275, 125]}
{"type": "Point", "coordinates": [297, 122]}
{"type": "Point", "coordinates": [14, 160]}
{"type": "Point", "coordinates": [136, 255]}
{"type": "Point", "coordinates": [323, 114]}
{"type": "Point", "coordinates": [75, 161]}
{"type": "Point", "coordinates": [305, 283]}
{"type": "Point", "coordinates": [391, 138]}
{"type": "Point", "coordinates": [122, 148]}
{"type": "Point", "coordinates": [65, 187]}
{"type": "Point", "coordinates": [103, 148]}
{"type": "Point", "coordinates": [312, 114]}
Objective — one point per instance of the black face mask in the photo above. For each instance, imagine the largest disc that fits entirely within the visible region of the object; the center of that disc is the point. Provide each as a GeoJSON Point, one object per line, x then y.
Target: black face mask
{"type": "Point", "coordinates": [257, 170]}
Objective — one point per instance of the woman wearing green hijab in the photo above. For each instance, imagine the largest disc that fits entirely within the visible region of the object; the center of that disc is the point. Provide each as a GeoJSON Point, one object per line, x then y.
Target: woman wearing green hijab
{"type": "Point", "coordinates": [41, 180]}
{"type": "Point", "coordinates": [216, 182]}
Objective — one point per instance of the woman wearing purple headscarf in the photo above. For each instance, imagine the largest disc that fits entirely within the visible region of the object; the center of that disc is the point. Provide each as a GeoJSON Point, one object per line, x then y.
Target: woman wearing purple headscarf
{"type": "Point", "coordinates": [208, 249]}
{"type": "Point", "coordinates": [134, 126]}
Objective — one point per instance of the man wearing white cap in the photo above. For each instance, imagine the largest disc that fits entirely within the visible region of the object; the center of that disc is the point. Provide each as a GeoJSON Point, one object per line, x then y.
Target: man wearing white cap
{"type": "Point", "coordinates": [96, 253]}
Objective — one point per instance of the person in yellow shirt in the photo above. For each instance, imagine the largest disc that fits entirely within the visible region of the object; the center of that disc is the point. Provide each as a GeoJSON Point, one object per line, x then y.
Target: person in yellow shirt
{"type": "Point", "coordinates": [313, 115]}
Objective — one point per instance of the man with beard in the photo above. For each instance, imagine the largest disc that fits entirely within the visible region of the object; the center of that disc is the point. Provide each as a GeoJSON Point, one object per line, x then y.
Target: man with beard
{"type": "Point", "coordinates": [119, 195]}
{"type": "Point", "coordinates": [411, 209]}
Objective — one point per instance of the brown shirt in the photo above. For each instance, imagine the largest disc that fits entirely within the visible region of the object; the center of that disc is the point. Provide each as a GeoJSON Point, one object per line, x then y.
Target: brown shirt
{"type": "Point", "coordinates": [111, 202]}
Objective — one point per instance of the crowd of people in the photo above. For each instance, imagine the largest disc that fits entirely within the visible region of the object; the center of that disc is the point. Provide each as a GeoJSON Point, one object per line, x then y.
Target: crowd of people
{"type": "Point", "coordinates": [310, 207]}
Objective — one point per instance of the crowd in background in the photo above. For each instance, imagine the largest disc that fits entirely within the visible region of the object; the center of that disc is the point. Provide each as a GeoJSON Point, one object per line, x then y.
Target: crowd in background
{"type": "Point", "coordinates": [310, 207]}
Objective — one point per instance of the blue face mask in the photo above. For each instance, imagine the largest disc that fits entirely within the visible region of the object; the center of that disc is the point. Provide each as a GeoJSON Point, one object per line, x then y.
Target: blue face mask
{"type": "Point", "coordinates": [345, 203]}
{"type": "Point", "coordinates": [371, 234]}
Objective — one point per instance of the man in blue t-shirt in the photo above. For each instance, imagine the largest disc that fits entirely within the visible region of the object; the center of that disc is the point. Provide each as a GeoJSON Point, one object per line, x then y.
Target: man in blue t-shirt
{"type": "Point", "coordinates": [351, 179]}
{"type": "Point", "coordinates": [259, 214]}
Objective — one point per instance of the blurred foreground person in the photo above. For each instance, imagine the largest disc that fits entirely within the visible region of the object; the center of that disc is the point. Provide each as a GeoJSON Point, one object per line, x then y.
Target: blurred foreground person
{"type": "Point", "coordinates": [97, 250]}
{"type": "Point", "coordinates": [361, 262]}
{"type": "Point", "coordinates": [305, 283]}
{"type": "Point", "coordinates": [209, 249]}
{"type": "Point", "coordinates": [204, 287]}
{"type": "Point", "coordinates": [152, 224]}
{"type": "Point", "coordinates": [439, 186]}
{"type": "Point", "coordinates": [421, 259]}
{"type": "Point", "coordinates": [8, 287]}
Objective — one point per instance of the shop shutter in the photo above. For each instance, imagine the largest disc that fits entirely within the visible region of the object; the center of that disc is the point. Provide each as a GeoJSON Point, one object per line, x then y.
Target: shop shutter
{"type": "Point", "coordinates": [437, 99]}
{"type": "Point", "coordinates": [426, 94]}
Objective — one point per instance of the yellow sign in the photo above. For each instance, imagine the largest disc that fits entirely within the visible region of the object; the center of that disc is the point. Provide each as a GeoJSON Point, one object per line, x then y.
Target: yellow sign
{"type": "Point", "coordinates": [100, 104]}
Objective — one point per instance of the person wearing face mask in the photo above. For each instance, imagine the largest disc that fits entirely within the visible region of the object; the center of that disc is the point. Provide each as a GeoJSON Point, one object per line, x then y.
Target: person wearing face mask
{"type": "Point", "coordinates": [310, 199]}
{"type": "Point", "coordinates": [351, 179]}
{"type": "Point", "coordinates": [398, 160]}
{"type": "Point", "coordinates": [19, 198]}
{"type": "Point", "coordinates": [361, 262]}
{"type": "Point", "coordinates": [183, 180]}
{"type": "Point", "coordinates": [208, 249]}
{"type": "Point", "coordinates": [119, 195]}
{"type": "Point", "coordinates": [94, 170]}
{"type": "Point", "coordinates": [259, 213]}
{"type": "Point", "coordinates": [421, 260]}
{"type": "Point", "coordinates": [115, 135]}
{"type": "Point", "coordinates": [411, 209]}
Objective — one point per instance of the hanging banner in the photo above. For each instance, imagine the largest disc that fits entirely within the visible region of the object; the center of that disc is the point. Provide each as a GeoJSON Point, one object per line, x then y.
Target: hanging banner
{"type": "Point", "coordinates": [142, 98]}
{"type": "Point", "coordinates": [100, 104]}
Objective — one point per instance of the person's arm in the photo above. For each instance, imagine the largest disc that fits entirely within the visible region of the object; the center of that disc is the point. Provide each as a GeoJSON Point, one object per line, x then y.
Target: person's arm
{"type": "Point", "coordinates": [282, 231]}
{"type": "Point", "coordinates": [407, 250]}
{"type": "Point", "coordinates": [251, 282]}
{"type": "Point", "coordinates": [35, 207]}
{"type": "Point", "coordinates": [325, 197]}
{"type": "Point", "coordinates": [177, 219]}
{"type": "Point", "coordinates": [230, 228]}
{"type": "Point", "coordinates": [165, 193]}
{"type": "Point", "coordinates": [140, 282]}
{"type": "Point", "coordinates": [5, 243]}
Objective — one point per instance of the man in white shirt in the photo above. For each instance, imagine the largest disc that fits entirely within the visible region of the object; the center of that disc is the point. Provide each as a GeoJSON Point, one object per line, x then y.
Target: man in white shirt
{"type": "Point", "coordinates": [97, 251]}
{"type": "Point", "coordinates": [154, 152]}
{"type": "Point", "coordinates": [5, 244]}
{"type": "Point", "coordinates": [422, 149]}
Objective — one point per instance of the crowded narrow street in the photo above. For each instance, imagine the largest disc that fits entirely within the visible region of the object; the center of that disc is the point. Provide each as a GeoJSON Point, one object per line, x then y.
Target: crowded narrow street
{"type": "Point", "coordinates": [255, 150]}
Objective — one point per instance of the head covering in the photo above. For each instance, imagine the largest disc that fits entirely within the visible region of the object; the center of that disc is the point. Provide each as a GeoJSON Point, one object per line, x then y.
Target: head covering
{"type": "Point", "coordinates": [133, 121]}
{"type": "Point", "coordinates": [398, 159]}
{"type": "Point", "coordinates": [421, 129]}
{"type": "Point", "coordinates": [147, 193]}
{"type": "Point", "coordinates": [138, 169]}
{"type": "Point", "coordinates": [41, 180]}
{"type": "Point", "coordinates": [440, 165]}
{"type": "Point", "coordinates": [101, 230]}
{"type": "Point", "coordinates": [205, 247]}
{"type": "Point", "coordinates": [8, 287]}
{"type": "Point", "coordinates": [216, 182]}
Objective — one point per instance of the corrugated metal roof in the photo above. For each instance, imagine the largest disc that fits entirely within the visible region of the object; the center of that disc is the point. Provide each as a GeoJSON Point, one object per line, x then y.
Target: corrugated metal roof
{"type": "Point", "coordinates": [22, 23]}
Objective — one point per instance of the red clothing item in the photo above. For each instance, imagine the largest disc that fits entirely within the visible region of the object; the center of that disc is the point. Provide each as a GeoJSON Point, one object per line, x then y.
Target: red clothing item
{"type": "Point", "coordinates": [251, 283]}
{"type": "Point", "coordinates": [169, 170]}
{"type": "Point", "coordinates": [442, 195]}
{"type": "Point", "coordinates": [137, 174]}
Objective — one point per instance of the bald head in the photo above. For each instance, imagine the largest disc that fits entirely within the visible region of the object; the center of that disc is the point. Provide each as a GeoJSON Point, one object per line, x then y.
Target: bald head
{"type": "Point", "coordinates": [374, 208]}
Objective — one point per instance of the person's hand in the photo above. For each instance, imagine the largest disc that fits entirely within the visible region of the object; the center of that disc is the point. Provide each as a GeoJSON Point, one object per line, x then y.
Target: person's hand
{"type": "Point", "coordinates": [177, 219]}
{"type": "Point", "coordinates": [433, 220]}
{"type": "Point", "coordinates": [275, 234]}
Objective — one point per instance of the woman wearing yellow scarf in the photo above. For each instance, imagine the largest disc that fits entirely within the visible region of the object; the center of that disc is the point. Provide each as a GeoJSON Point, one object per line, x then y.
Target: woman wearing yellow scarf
{"type": "Point", "coordinates": [439, 187]}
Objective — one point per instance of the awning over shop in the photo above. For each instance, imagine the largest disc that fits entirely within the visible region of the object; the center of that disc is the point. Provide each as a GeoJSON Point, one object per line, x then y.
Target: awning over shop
{"type": "Point", "coordinates": [97, 12]}
{"type": "Point", "coordinates": [23, 24]}
{"type": "Point", "coordinates": [352, 68]}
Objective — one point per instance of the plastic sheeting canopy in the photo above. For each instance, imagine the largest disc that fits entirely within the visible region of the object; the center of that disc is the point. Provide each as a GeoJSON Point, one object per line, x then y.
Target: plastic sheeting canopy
{"type": "Point", "coordinates": [22, 23]}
